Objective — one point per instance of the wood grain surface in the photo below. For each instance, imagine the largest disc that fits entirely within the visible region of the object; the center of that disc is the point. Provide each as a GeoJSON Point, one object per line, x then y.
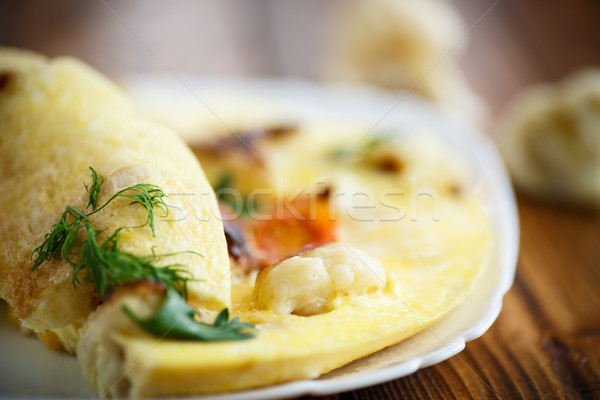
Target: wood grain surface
{"type": "Point", "coordinates": [546, 341]}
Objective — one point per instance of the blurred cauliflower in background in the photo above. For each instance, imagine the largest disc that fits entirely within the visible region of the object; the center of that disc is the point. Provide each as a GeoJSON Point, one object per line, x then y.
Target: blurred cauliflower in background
{"type": "Point", "coordinates": [550, 139]}
{"type": "Point", "coordinates": [405, 45]}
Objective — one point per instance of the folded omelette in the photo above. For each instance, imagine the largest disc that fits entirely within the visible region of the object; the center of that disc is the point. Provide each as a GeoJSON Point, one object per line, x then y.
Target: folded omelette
{"type": "Point", "coordinates": [57, 118]}
{"type": "Point", "coordinates": [317, 283]}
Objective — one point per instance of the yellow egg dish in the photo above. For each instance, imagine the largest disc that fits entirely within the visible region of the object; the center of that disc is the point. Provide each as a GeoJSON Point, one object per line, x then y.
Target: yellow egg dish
{"type": "Point", "coordinates": [399, 261]}
{"type": "Point", "coordinates": [339, 245]}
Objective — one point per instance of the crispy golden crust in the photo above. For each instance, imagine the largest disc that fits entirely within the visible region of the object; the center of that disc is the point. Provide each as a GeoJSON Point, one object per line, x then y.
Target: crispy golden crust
{"type": "Point", "coordinates": [27, 292]}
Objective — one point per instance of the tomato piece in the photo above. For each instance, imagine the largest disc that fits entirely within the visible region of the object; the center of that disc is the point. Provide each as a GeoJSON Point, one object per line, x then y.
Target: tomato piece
{"type": "Point", "coordinates": [303, 226]}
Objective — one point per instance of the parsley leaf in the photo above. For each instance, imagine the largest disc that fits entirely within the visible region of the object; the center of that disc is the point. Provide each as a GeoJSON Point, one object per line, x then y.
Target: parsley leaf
{"type": "Point", "coordinates": [175, 319]}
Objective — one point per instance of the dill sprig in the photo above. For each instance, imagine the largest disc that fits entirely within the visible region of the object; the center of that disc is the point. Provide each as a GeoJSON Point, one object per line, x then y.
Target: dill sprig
{"type": "Point", "coordinates": [146, 195]}
{"type": "Point", "coordinates": [61, 241]}
{"type": "Point", "coordinates": [106, 266]}
{"type": "Point", "coordinates": [94, 189]}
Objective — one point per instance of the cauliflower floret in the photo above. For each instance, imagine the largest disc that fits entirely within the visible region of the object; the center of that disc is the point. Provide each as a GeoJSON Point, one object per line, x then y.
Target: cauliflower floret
{"type": "Point", "coordinates": [305, 284]}
{"type": "Point", "coordinates": [353, 271]}
{"type": "Point", "coordinates": [550, 139]}
{"type": "Point", "coordinates": [298, 285]}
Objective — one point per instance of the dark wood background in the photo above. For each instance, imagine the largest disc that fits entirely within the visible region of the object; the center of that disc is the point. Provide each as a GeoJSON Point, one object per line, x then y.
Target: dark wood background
{"type": "Point", "coordinates": [546, 342]}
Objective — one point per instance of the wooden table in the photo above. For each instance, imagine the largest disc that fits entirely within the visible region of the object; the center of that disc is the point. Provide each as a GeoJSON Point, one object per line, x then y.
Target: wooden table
{"type": "Point", "coordinates": [546, 341]}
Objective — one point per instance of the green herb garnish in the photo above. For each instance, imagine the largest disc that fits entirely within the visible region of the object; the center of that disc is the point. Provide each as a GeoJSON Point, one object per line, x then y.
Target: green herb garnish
{"type": "Point", "coordinates": [94, 189]}
{"type": "Point", "coordinates": [176, 319]}
{"type": "Point", "coordinates": [225, 183]}
{"type": "Point", "coordinates": [376, 141]}
{"type": "Point", "coordinates": [106, 266]}
{"type": "Point", "coordinates": [61, 242]}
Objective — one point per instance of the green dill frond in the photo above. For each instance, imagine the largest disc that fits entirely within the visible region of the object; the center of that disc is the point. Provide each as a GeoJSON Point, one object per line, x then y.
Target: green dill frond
{"type": "Point", "coordinates": [146, 195]}
{"type": "Point", "coordinates": [52, 245]}
{"type": "Point", "coordinates": [107, 267]}
{"type": "Point", "coordinates": [60, 240]}
{"type": "Point", "coordinates": [94, 189]}
{"type": "Point", "coordinates": [149, 197]}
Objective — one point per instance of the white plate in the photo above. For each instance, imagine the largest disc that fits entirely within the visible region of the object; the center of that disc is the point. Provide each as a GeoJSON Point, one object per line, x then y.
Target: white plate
{"type": "Point", "coordinates": [29, 370]}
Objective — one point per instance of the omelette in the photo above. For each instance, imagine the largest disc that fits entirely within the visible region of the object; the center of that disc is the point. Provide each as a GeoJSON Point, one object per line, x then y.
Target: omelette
{"type": "Point", "coordinates": [322, 247]}
{"type": "Point", "coordinates": [57, 118]}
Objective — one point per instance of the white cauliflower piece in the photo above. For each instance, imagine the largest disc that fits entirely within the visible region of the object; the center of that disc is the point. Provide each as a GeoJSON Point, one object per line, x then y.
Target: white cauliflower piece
{"type": "Point", "coordinates": [298, 285]}
{"type": "Point", "coordinates": [305, 284]}
{"type": "Point", "coordinates": [550, 139]}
